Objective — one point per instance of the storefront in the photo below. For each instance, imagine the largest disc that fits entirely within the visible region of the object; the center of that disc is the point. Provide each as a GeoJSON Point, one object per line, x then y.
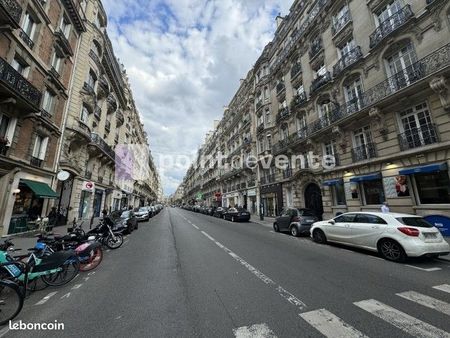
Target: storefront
{"type": "Point", "coordinates": [30, 199]}
{"type": "Point", "coordinates": [272, 199]}
{"type": "Point", "coordinates": [251, 201]}
{"type": "Point", "coordinates": [369, 187]}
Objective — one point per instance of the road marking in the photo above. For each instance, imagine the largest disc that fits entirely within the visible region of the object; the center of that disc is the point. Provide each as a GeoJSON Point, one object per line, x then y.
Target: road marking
{"type": "Point", "coordinates": [330, 325]}
{"type": "Point", "coordinates": [108, 250]}
{"type": "Point", "coordinates": [423, 269]}
{"type": "Point", "coordinates": [254, 331]}
{"type": "Point", "coordinates": [86, 279]}
{"type": "Point", "coordinates": [401, 320]}
{"type": "Point", "coordinates": [91, 273]}
{"type": "Point", "coordinates": [195, 226]}
{"type": "Point", "coordinates": [427, 301]}
{"type": "Point", "coordinates": [67, 295]}
{"type": "Point", "coordinates": [265, 279]}
{"type": "Point", "coordinates": [77, 286]}
{"type": "Point", "coordinates": [46, 298]}
{"type": "Point", "coordinates": [443, 287]}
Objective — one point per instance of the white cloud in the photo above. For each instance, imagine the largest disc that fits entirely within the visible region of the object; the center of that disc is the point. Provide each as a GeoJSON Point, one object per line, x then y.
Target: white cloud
{"type": "Point", "coordinates": [184, 59]}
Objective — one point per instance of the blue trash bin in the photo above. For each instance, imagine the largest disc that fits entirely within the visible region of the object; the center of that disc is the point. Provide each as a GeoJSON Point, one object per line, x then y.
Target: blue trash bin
{"type": "Point", "coordinates": [440, 222]}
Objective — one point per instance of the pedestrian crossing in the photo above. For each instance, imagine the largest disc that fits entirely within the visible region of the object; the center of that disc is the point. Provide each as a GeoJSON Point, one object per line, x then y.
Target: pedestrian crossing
{"type": "Point", "coordinates": [330, 325]}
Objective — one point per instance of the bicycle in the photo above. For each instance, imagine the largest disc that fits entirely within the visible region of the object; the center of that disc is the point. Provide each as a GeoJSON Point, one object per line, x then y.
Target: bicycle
{"type": "Point", "coordinates": [11, 298]}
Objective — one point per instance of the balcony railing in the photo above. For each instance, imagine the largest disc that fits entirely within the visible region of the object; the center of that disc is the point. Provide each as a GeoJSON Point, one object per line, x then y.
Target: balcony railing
{"type": "Point", "coordinates": [102, 145]}
{"type": "Point", "coordinates": [320, 82]}
{"type": "Point", "coordinates": [296, 70]}
{"type": "Point", "coordinates": [418, 137]}
{"type": "Point", "coordinates": [107, 125]}
{"type": "Point", "coordinates": [112, 104]}
{"type": "Point", "coordinates": [45, 114]}
{"type": "Point", "coordinates": [390, 25]}
{"type": "Point", "coordinates": [340, 23]}
{"type": "Point", "coordinates": [280, 87]}
{"type": "Point", "coordinates": [259, 104]}
{"type": "Point", "coordinates": [36, 162]}
{"type": "Point", "coordinates": [120, 118]}
{"type": "Point", "coordinates": [347, 60]}
{"type": "Point", "coordinates": [96, 58]}
{"type": "Point", "coordinates": [16, 83]}
{"type": "Point", "coordinates": [283, 113]}
{"type": "Point", "coordinates": [10, 13]}
{"type": "Point", "coordinates": [88, 88]}
{"type": "Point", "coordinates": [299, 99]}
{"type": "Point", "coordinates": [64, 42]}
{"type": "Point", "coordinates": [333, 160]}
{"type": "Point", "coordinates": [25, 38]}
{"type": "Point", "coordinates": [98, 113]}
{"type": "Point", "coordinates": [364, 152]}
{"type": "Point", "coordinates": [316, 48]}
{"type": "Point", "coordinates": [327, 120]}
{"type": "Point", "coordinates": [260, 128]}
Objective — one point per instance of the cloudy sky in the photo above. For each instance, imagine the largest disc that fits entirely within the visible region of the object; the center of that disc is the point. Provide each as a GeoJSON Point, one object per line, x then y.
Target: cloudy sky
{"type": "Point", "coordinates": [184, 59]}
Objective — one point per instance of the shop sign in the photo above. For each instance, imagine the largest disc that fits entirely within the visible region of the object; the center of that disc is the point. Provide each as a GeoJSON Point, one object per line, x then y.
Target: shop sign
{"type": "Point", "coordinates": [88, 186]}
{"type": "Point", "coordinates": [251, 192]}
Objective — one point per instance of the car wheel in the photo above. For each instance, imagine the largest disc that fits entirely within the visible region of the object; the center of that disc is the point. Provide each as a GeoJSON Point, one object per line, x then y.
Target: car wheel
{"type": "Point", "coordinates": [319, 236]}
{"type": "Point", "coordinates": [294, 231]}
{"type": "Point", "coordinates": [391, 250]}
{"type": "Point", "coordinates": [276, 228]}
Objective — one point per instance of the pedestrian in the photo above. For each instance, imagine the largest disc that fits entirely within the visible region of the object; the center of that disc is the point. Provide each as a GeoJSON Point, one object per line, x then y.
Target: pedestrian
{"type": "Point", "coordinates": [385, 208]}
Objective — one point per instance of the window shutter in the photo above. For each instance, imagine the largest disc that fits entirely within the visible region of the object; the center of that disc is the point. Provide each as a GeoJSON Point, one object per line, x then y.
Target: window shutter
{"type": "Point", "coordinates": [43, 149]}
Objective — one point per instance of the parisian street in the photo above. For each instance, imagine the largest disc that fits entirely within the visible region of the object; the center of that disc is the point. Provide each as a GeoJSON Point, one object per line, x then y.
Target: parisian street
{"type": "Point", "coordinates": [184, 274]}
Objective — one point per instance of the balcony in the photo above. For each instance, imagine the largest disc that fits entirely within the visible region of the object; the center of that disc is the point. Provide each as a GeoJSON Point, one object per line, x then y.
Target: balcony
{"type": "Point", "coordinates": [283, 113]}
{"type": "Point", "coordinates": [107, 126]}
{"type": "Point", "coordinates": [120, 119]}
{"type": "Point", "coordinates": [341, 22]}
{"type": "Point", "coordinates": [259, 104]}
{"type": "Point", "coordinates": [45, 114]}
{"type": "Point", "coordinates": [88, 88]}
{"type": "Point", "coordinates": [390, 25]}
{"type": "Point", "coordinates": [316, 48]}
{"type": "Point", "coordinates": [418, 137]}
{"type": "Point", "coordinates": [112, 104]}
{"type": "Point", "coordinates": [347, 60]}
{"type": "Point", "coordinates": [36, 162]}
{"type": "Point", "coordinates": [298, 100]}
{"type": "Point", "coordinates": [100, 143]}
{"type": "Point", "coordinates": [96, 58]}
{"type": "Point", "coordinates": [98, 113]}
{"type": "Point", "coordinates": [364, 152]}
{"type": "Point", "coordinates": [333, 160]}
{"type": "Point", "coordinates": [10, 13]}
{"type": "Point", "coordinates": [327, 120]}
{"type": "Point", "coordinates": [296, 70]}
{"type": "Point", "coordinates": [25, 38]}
{"type": "Point", "coordinates": [260, 128]}
{"type": "Point", "coordinates": [63, 42]}
{"type": "Point", "coordinates": [280, 87]}
{"type": "Point", "coordinates": [12, 83]}
{"type": "Point", "coordinates": [320, 82]}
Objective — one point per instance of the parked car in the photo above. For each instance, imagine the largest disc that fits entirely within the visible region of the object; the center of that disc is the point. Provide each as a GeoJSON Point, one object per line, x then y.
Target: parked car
{"type": "Point", "coordinates": [237, 214]}
{"type": "Point", "coordinates": [129, 220]}
{"type": "Point", "coordinates": [297, 221]}
{"type": "Point", "coordinates": [143, 214]}
{"type": "Point", "coordinates": [211, 211]}
{"type": "Point", "coordinates": [219, 212]}
{"type": "Point", "coordinates": [394, 236]}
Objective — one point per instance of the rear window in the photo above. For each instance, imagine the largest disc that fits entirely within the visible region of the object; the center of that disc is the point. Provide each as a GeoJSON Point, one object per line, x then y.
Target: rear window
{"type": "Point", "coordinates": [143, 209]}
{"type": "Point", "coordinates": [415, 222]}
{"type": "Point", "coordinates": [125, 214]}
{"type": "Point", "coordinates": [307, 213]}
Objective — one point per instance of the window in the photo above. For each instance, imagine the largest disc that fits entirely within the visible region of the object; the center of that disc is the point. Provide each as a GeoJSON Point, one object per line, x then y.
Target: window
{"type": "Point", "coordinates": [325, 111]}
{"type": "Point", "coordinates": [362, 139]}
{"type": "Point", "coordinates": [92, 79]}
{"type": "Point", "coordinates": [346, 218]}
{"type": "Point", "coordinates": [373, 192]}
{"type": "Point", "coordinates": [284, 132]}
{"type": "Point", "coordinates": [416, 126]}
{"type": "Point", "coordinates": [371, 219]}
{"type": "Point", "coordinates": [415, 222]}
{"type": "Point", "coordinates": [56, 62]}
{"type": "Point", "coordinates": [353, 95]}
{"type": "Point", "coordinates": [266, 93]}
{"type": "Point", "coordinates": [20, 66]}
{"type": "Point", "coordinates": [338, 193]}
{"type": "Point", "coordinates": [48, 101]}
{"type": "Point", "coordinates": [346, 48]}
{"type": "Point", "coordinates": [29, 25]}
{"type": "Point", "coordinates": [433, 188]}
{"type": "Point", "coordinates": [7, 127]}
{"type": "Point", "coordinates": [300, 90]}
{"type": "Point", "coordinates": [40, 147]}
{"type": "Point", "coordinates": [268, 142]}
{"type": "Point", "coordinates": [402, 64]}
{"type": "Point", "coordinates": [65, 27]}
{"type": "Point", "coordinates": [268, 118]}
{"type": "Point", "coordinates": [84, 114]}
{"type": "Point", "coordinates": [341, 18]}
{"type": "Point", "coordinates": [320, 71]}
{"type": "Point", "coordinates": [329, 150]}
{"type": "Point", "coordinates": [386, 12]}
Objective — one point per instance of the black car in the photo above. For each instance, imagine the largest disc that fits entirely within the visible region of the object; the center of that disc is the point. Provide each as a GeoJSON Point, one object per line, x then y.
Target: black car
{"type": "Point", "coordinates": [295, 220]}
{"type": "Point", "coordinates": [237, 214]}
{"type": "Point", "coordinates": [129, 220]}
{"type": "Point", "coordinates": [211, 211]}
{"type": "Point", "coordinates": [219, 212]}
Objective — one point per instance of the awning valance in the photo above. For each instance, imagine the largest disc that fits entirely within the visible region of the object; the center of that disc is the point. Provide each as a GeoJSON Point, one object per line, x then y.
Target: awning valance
{"type": "Point", "coordinates": [369, 177]}
{"type": "Point", "coordinates": [40, 189]}
{"type": "Point", "coordinates": [429, 168]}
{"type": "Point", "coordinates": [330, 183]}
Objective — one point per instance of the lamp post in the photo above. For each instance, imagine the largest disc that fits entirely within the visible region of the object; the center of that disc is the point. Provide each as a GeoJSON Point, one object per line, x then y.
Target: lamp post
{"type": "Point", "coordinates": [62, 176]}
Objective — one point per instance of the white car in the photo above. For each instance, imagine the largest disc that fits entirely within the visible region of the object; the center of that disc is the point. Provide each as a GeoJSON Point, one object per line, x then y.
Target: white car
{"type": "Point", "coordinates": [395, 236]}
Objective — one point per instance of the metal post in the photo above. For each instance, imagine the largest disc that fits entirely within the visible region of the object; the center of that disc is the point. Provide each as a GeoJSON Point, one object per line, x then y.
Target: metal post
{"type": "Point", "coordinates": [58, 213]}
{"type": "Point", "coordinates": [261, 211]}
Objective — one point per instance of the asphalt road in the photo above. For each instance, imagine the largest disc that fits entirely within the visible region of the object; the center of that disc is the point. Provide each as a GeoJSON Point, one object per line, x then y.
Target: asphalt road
{"type": "Point", "coordinates": [189, 275]}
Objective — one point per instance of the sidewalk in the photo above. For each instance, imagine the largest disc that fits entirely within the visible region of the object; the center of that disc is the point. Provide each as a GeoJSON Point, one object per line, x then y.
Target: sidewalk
{"type": "Point", "coordinates": [268, 221]}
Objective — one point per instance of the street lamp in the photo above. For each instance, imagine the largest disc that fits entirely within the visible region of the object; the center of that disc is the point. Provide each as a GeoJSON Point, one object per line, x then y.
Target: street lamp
{"type": "Point", "coordinates": [62, 176]}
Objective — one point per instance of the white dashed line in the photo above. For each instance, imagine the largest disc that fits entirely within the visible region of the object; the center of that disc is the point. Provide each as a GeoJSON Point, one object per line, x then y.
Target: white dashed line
{"type": "Point", "coordinates": [46, 298]}
{"type": "Point", "coordinates": [423, 269]}
{"type": "Point", "coordinates": [426, 301]}
{"type": "Point", "coordinates": [77, 286]}
{"type": "Point", "coordinates": [67, 295]}
{"type": "Point", "coordinates": [443, 287]}
{"type": "Point", "coordinates": [257, 330]}
{"type": "Point", "coordinates": [195, 226]}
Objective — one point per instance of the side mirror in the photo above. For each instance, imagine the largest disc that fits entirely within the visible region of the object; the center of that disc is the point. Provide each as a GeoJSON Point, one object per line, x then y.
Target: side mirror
{"type": "Point", "coordinates": [331, 221]}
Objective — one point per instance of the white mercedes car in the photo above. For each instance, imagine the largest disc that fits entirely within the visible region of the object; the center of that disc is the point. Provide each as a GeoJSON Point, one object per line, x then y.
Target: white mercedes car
{"type": "Point", "coordinates": [395, 236]}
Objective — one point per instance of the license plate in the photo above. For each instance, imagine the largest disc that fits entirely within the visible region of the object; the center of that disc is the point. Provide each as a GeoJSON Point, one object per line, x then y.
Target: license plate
{"type": "Point", "coordinates": [244, 214]}
{"type": "Point", "coordinates": [309, 220]}
{"type": "Point", "coordinates": [429, 235]}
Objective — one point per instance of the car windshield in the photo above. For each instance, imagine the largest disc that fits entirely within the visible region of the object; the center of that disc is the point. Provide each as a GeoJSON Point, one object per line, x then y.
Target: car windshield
{"type": "Point", "coordinates": [143, 209]}
{"type": "Point", "coordinates": [415, 222]}
{"type": "Point", "coordinates": [125, 214]}
{"type": "Point", "coordinates": [306, 212]}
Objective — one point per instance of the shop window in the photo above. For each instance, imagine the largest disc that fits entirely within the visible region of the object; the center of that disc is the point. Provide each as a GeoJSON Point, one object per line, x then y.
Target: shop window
{"type": "Point", "coordinates": [373, 192]}
{"type": "Point", "coordinates": [433, 188]}
{"type": "Point", "coordinates": [338, 193]}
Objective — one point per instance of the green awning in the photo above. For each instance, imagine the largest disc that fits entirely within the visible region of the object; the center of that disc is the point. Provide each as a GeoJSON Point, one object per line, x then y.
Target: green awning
{"type": "Point", "coordinates": [41, 190]}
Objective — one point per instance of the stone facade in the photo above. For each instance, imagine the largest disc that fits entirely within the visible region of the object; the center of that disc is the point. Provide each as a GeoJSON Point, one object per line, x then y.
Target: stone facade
{"type": "Point", "coordinates": [365, 84]}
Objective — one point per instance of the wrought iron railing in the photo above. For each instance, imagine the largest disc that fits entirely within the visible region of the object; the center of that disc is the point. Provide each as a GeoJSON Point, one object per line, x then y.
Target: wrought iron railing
{"type": "Point", "coordinates": [107, 125]}
{"type": "Point", "coordinates": [102, 145]}
{"type": "Point", "coordinates": [280, 87]}
{"type": "Point", "coordinates": [112, 103]}
{"type": "Point", "coordinates": [320, 82]}
{"type": "Point", "coordinates": [347, 60]}
{"type": "Point", "coordinates": [340, 23]}
{"type": "Point", "coordinates": [418, 137]}
{"type": "Point", "coordinates": [45, 114]}
{"type": "Point", "coordinates": [120, 118]}
{"type": "Point", "coordinates": [3, 149]}
{"type": "Point", "coordinates": [299, 99]}
{"type": "Point", "coordinates": [88, 88]}
{"type": "Point", "coordinates": [13, 9]}
{"type": "Point", "coordinates": [98, 112]}
{"type": "Point", "coordinates": [64, 42]}
{"type": "Point", "coordinates": [283, 113]}
{"type": "Point", "coordinates": [296, 70]}
{"type": "Point", "coordinates": [364, 152]}
{"type": "Point", "coordinates": [316, 48]}
{"type": "Point", "coordinates": [36, 162]}
{"type": "Point", "coordinates": [18, 84]}
{"type": "Point", "coordinates": [260, 128]}
{"type": "Point", "coordinates": [96, 58]}
{"type": "Point", "coordinates": [25, 38]}
{"type": "Point", "coordinates": [390, 25]}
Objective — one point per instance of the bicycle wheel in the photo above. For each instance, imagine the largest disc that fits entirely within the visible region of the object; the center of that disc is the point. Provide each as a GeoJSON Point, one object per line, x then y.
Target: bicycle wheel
{"type": "Point", "coordinates": [68, 271]}
{"type": "Point", "coordinates": [114, 243]}
{"type": "Point", "coordinates": [11, 301]}
{"type": "Point", "coordinates": [93, 261]}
